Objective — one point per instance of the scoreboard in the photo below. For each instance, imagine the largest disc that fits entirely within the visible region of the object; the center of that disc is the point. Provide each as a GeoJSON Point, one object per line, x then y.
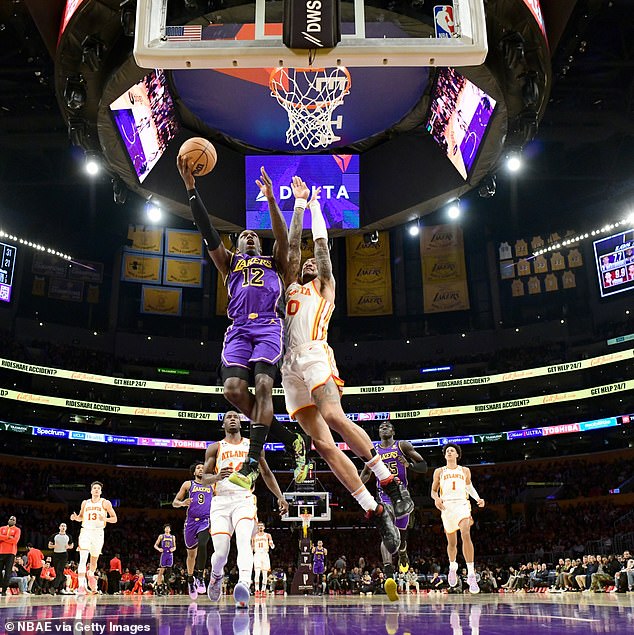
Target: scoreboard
{"type": "Point", "coordinates": [7, 264]}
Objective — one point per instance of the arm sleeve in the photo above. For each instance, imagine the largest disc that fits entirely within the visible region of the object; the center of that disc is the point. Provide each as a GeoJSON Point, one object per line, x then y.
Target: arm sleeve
{"type": "Point", "coordinates": [201, 218]}
{"type": "Point", "coordinates": [472, 492]}
{"type": "Point", "coordinates": [318, 222]}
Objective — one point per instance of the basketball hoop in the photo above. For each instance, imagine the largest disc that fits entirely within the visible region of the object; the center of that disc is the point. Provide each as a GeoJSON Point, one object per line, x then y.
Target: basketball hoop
{"type": "Point", "coordinates": [306, 518]}
{"type": "Point", "coordinates": [310, 96]}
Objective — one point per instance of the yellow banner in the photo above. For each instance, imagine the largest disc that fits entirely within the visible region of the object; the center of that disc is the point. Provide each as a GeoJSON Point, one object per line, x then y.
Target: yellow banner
{"type": "Point", "coordinates": [140, 268]}
{"type": "Point", "coordinates": [147, 239]}
{"type": "Point", "coordinates": [161, 300]}
{"type": "Point", "coordinates": [444, 270]}
{"type": "Point", "coordinates": [440, 238]}
{"type": "Point", "coordinates": [92, 294]}
{"type": "Point", "coordinates": [222, 298]}
{"type": "Point", "coordinates": [184, 243]}
{"type": "Point", "coordinates": [183, 273]}
{"type": "Point", "coordinates": [448, 296]}
{"type": "Point", "coordinates": [448, 266]}
{"type": "Point", "coordinates": [369, 276]}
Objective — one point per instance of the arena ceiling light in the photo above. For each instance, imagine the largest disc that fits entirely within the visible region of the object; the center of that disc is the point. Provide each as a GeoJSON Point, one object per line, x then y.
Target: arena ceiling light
{"type": "Point", "coordinates": [453, 211]}
{"type": "Point", "coordinates": [33, 245]}
{"type": "Point", "coordinates": [414, 228]}
{"type": "Point", "coordinates": [153, 212]}
{"type": "Point", "coordinates": [93, 163]}
{"type": "Point", "coordinates": [514, 161]}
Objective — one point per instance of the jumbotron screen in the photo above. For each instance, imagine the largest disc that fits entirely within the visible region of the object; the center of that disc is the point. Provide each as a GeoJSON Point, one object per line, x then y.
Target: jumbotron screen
{"type": "Point", "coordinates": [458, 118]}
{"type": "Point", "coordinates": [336, 174]}
{"type": "Point", "coordinates": [614, 258]}
{"type": "Point", "coordinates": [146, 120]}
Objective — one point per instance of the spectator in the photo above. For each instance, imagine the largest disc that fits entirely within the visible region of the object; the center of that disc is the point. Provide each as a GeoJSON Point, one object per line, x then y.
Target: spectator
{"type": "Point", "coordinates": [20, 575]}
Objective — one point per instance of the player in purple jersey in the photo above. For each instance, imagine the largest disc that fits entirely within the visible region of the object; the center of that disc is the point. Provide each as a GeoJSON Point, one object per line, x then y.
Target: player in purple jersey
{"type": "Point", "coordinates": [319, 567]}
{"type": "Point", "coordinates": [399, 456]}
{"type": "Point", "coordinates": [254, 341]}
{"type": "Point", "coordinates": [196, 496]}
{"type": "Point", "coordinates": [166, 545]}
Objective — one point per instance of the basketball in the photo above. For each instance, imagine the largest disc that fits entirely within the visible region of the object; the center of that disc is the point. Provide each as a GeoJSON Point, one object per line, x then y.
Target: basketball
{"type": "Point", "coordinates": [200, 154]}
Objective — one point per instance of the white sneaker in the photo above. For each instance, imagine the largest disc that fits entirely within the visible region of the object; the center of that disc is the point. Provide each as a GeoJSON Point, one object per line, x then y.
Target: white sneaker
{"type": "Point", "coordinates": [214, 588]}
{"type": "Point", "coordinates": [473, 584]}
{"type": "Point", "coordinates": [452, 578]}
{"type": "Point", "coordinates": [241, 595]}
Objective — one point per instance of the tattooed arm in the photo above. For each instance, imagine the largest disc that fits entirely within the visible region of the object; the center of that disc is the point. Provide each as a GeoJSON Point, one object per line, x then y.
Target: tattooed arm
{"type": "Point", "coordinates": [300, 190]}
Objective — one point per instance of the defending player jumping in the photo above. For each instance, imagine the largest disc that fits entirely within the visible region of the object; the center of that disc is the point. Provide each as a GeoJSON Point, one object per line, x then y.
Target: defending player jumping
{"type": "Point", "coordinates": [450, 490]}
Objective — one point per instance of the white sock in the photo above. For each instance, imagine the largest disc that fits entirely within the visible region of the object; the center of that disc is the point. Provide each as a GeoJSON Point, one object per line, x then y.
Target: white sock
{"type": "Point", "coordinates": [470, 568]}
{"type": "Point", "coordinates": [365, 499]}
{"type": "Point", "coordinates": [379, 468]}
{"type": "Point", "coordinates": [453, 565]}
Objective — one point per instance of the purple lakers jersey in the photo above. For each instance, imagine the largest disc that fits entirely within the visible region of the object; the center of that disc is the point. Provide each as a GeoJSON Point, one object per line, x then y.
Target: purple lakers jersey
{"type": "Point", "coordinates": [254, 287]}
{"type": "Point", "coordinates": [167, 542]}
{"type": "Point", "coordinates": [319, 555]}
{"type": "Point", "coordinates": [201, 500]}
{"type": "Point", "coordinates": [390, 456]}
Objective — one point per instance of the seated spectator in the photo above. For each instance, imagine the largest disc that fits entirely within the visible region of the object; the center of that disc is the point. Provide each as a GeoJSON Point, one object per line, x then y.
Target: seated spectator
{"type": "Point", "coordinates": [624, 578]}
{"type": "Point", "coordinates": [366, 584]}
{"type": "Point", "coordinates": [436, 582]}
{"type": "Point", "coordinates": [20, 575]}
{"type": "Point", "coordinates": [125, 584]}
{"type": "Point", "coordinates": [601, 577]}
{"type": "Point", "coordinates": [354, 577]}
{"type": "Point", "coordinates": [412, 581]}
{"type": "Point", "coordinates": [580, 578]}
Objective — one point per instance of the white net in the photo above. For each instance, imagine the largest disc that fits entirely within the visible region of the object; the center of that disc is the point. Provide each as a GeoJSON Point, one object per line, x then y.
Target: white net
{"type": "Point", "coordinates": [310, 96]}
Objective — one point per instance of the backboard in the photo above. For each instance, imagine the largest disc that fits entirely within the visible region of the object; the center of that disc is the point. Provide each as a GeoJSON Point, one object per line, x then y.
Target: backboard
{"type": "Point", "coordinates": [171, 34]}
{"type": "Point", "coordinates": [315, 503]}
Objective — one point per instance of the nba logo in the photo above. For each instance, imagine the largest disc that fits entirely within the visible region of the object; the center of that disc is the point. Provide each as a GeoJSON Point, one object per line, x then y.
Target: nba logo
{"type": "Point", "coordinates": [444, 21]}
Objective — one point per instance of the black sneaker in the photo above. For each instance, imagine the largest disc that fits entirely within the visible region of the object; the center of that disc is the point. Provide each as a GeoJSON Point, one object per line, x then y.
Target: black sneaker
{"type": "Point", "coordinates": [384, 521]}
{"type": "Point", "coordinates": [401, 500]}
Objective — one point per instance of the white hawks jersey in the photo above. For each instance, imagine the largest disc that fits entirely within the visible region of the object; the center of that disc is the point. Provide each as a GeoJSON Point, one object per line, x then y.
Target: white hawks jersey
{"type": "Point", "coordinates": [261, 543]}
{"type": "Point", "coordinates": [230, 455]}
{"type": "Point", "coordinates": [307, 314]}
{"type": "Point", "coordinates": [453, 484]}
{"type": "Point", "coordinates": [94, 515]}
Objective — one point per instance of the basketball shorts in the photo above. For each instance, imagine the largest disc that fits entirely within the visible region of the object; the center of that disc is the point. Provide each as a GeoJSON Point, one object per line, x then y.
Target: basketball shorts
{"type": "Point", "coordinates": [305, 368]}
{"type": "Point", "coordinates": [454, 512]}
{"type": "Point", "coordinates": [91, 540]}
{"type": "Point", "coordinates": [193, 526]}
{"type": "Point", "coordinates": [261, 561]}
{"type": "Point", "coordinates": [318, 567]}
{"type": "Point", "coordinates": [248, 341]}
{"type": "Point", "coordinates": [228, 510]}
{"type": "Point", "coordinates": [167, 560]}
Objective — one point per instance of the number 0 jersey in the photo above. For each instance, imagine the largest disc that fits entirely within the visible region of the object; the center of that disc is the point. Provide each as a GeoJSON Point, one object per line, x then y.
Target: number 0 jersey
{"type": "Point", "coordinates": [307, 314]}
{"type": "Point", "coordinates": [453, 484]}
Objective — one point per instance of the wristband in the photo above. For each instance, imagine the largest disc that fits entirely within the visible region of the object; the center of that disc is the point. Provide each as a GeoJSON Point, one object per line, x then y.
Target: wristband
{"type": "Point", "coordinates": [301, 203]}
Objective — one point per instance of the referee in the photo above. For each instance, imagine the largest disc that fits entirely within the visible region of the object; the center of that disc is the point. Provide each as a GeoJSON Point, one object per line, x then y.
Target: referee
{"type": "Point", "coordinates": [60, 543]}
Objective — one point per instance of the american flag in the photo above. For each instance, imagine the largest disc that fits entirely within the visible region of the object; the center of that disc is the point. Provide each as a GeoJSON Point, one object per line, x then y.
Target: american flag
{"type": "Point", "coordinates": [183, 33]}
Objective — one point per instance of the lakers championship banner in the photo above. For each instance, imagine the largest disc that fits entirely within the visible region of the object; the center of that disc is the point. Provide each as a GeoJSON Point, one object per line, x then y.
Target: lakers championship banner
{"type": "Point", "coordinates": [500, 378]}
{"type": "Point", "coordinates": [222, 297]}
{"type": "Point", "coordinates": [164, 413]}
{"type": "Point", "coordinates": [180, 272]}
{"type": "Point", "coordinates": [140, 268]}
{"type": "Point", "coordinates": [149, 240]}
{"type": "Point", "coordinates": [161, 301]}
{"type": "Point", "coordinates": [184, 243]}
{"type": "Point", "coordinates": [369, 276]}
{"type": "Point", "coordinates": [444, 271]}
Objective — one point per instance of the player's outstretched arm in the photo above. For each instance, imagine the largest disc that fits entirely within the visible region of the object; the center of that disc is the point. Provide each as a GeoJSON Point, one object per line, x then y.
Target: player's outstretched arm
{"type": "Point", "coordinates": [217, 251]}
{"type": "Point", "coordinates": [301, 192]}
{"type": "Point", "coordinates": [322, 253]}
{"type": "Point", "coordinates": [273, 485]}
{"type": "Point", "coordinates": [278, 224]}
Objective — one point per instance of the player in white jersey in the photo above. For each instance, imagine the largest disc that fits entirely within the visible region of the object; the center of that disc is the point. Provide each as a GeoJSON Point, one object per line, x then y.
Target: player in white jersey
{"type": "Point", "coordinates": [93, 516]}
{"type": "Point", "coordinates": [261, 543]}
{"type": "Point", "coordinates": [233, 509]}
{"type": "Point", "coordinates": [450, 490]}
{"type": "Point", "coordinates": [310, 378]}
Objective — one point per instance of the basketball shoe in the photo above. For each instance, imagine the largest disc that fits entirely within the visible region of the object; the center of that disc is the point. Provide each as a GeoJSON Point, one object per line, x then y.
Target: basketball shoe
{"type": "Point", "coordinates": [92, 582]}
{"type": "Point", "coordinates": [390, 589]}
{"type": "Point", "coordinates": [384, 521]}
{"type": "Point", "coordinates": [214, 588]}
{"type": "Point", "coordinates": [401, 500]}
{"type": "Point", "coordinates": [192, 588]}
{"type": "Point", "coordinates": [301, 467]}
{"type": "Point", "coordinates": [473, 584]}
{"type": "Point", "coordinates": [241, 595]}
{"type": "Point", "coordinates": [452, 578]}
{"type": "Point", "coordinates": [200, 582]}
{"type": "Point", "coordinates": [247, 475]}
